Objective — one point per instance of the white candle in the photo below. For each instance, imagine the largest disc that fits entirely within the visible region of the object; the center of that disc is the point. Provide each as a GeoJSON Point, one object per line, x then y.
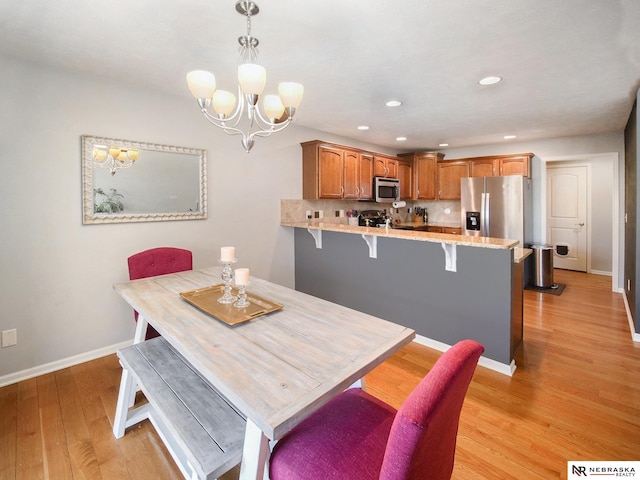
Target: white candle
{"type": "Point", "coordinates": [227, 254]}
{"type": "Point", "coordinates": [242, 276]}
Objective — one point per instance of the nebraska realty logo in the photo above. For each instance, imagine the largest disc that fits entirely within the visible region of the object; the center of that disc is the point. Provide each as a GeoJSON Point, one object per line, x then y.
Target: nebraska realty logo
{"type": "Point", "coordinates": [581, 470]}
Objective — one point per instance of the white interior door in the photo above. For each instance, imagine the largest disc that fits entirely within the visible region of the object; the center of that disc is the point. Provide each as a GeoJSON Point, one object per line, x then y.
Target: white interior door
{"type": "Point", "coordinates": [567, 216]}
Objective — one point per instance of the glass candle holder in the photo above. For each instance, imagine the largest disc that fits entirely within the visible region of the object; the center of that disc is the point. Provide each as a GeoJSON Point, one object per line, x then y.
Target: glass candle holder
{"type": "Point", "coordinates": [242, 280]}
{"type": "Point", "coordinates": [242, 301]}
{"type": "Point", "coordinates": [227, 279]}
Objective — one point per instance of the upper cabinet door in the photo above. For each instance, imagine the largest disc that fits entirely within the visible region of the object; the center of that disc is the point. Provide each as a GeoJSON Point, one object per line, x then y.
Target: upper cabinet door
{"type": "Point", "coordinates": [449, 175]}
{"type": "Point", "coordinates": [385, 166]}
{"type": "Point", "coordinates": [330, 172]}
{"type": "Point", "coordinates": [425, 174]}
{"type": "Point", "coordinates": [351, 174]}
{"type": "Point", "coordinates": [366, 176]}
{"type": "Point", "coordinates": [405, 176]}
{"type": "Point", "coordinates": [516, 165]}
{"type": "Point", "coordinates": [485, 167]}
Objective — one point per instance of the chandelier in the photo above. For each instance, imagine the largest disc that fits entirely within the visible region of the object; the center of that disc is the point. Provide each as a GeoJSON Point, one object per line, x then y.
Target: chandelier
{"type": "Point", "coordinates": [252, 77]}
{"type": "Point", "coordinates": [114, 158]}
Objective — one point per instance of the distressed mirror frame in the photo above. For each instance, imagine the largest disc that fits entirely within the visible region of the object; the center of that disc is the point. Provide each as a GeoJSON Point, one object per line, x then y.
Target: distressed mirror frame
{"type": "Point", "coordinates": [88, 164]}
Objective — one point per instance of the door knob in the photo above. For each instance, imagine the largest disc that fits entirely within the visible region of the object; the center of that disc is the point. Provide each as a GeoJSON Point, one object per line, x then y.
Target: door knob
{"type": "Point", "coordinates": [580, 224]}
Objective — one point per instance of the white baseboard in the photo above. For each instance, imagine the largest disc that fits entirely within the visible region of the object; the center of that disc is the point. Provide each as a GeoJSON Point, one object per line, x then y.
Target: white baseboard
{"type": "Point", "coordinates": [634, 336]}
{"type": "Point", "coordinates": [60, 364]}
{"type": "Point", "coordinates": [601, 272]}
{"type": "Point", "coordinates": [484, 362]}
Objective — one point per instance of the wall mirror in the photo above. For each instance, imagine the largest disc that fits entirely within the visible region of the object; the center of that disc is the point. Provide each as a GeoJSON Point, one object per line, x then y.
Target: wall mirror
{"type": "Point", "coordinates": [127, 181]}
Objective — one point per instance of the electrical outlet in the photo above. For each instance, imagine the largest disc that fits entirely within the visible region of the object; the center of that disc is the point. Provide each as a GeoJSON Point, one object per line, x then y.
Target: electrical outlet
{"type": "Point", "coordinates": [320, 214]}
{"type": "Point", "coordinates": [9, 338]}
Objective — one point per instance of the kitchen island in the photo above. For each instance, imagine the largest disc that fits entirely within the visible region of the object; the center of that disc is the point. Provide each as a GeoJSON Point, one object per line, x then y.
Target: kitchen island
{"type": "Point", "coordinates": [446, 287]}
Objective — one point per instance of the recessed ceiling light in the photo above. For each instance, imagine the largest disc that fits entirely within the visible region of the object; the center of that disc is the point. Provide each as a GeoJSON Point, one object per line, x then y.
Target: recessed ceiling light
{"type": "Point", "coordinates": [489, 80]}
{"type": "Point", "coordinates": [401, 139]}
{"type": "Point", "coordinates": [393, 103]}
{"type": "Point", "coordinates": [363, 127]}
{"type": "Point", "coordinates": [509, 137]}
{"type": "Point", "coordinates": [443, 145]}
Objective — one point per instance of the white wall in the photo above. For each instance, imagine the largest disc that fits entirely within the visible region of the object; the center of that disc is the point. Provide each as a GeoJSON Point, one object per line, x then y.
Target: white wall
{"type": "Point", "coordinates": [585, 149]}
{"type": "Point", "coordinates": [57, 274]}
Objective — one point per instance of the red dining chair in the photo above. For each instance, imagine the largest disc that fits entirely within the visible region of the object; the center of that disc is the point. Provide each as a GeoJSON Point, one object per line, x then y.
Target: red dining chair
{"type": "Point", "coordinates": [358, 437]}
{"type": "Point", "coordinates": [158, 261]}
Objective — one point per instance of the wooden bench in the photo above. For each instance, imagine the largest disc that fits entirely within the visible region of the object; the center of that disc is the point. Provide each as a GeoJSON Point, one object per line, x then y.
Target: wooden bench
{"type": "Point", "coordinates": [201, 430]}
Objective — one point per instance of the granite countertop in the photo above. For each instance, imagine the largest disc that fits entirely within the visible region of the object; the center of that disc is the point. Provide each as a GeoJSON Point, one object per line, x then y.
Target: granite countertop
{"type": "Point", "coordinates": [468, 241]}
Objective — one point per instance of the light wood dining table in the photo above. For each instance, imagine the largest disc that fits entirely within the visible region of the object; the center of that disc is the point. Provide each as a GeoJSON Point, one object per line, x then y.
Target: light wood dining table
{"type": "Point", "coordinates": [277, 368]}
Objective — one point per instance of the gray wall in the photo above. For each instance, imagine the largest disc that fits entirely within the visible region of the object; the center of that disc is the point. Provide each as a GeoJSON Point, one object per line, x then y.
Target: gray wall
{"type": "Point", "coordinates": [408, 284]}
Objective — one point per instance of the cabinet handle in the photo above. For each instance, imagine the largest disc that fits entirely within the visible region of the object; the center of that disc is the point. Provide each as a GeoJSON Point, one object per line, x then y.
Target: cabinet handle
{"type": "Point", "coordinates": [341, 189]}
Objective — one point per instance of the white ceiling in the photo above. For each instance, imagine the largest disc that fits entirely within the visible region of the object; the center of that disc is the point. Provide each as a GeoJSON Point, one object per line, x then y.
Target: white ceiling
{"type": "Point", "coordinates": [570, 67]}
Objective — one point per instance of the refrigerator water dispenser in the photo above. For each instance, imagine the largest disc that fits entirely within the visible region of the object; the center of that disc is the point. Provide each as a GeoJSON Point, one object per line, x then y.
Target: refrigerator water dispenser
{"type": "Point", "coordinates": [473, 220]}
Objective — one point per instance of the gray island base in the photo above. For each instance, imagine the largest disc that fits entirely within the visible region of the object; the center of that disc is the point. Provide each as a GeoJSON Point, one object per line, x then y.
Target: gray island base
{"type": "Point", "coordinates": [408, 284]}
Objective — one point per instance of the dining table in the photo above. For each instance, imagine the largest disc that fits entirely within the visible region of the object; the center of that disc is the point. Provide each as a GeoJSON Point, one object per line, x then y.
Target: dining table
{"type": "Point", "coordinates": [277, 368]}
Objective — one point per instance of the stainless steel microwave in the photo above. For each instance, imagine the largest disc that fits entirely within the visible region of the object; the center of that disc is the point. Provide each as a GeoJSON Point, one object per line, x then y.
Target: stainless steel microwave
{"type": "Point", "coordinates": [386, 190]}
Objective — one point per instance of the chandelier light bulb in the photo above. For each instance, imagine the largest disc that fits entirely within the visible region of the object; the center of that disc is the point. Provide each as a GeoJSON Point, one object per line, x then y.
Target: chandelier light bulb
{"type": "Point", "coordinates": [252, 78]}
{"type": "Point", "coordinates": [114, 151]}
{"type": "Point", "coordinates": [291, 94]}
{"type": "Point", "coordinates": [201, 83]}
{"type": "Point", "coordinates": [223, 103]}
{"type": "Point", "coordinates": [273, 106]}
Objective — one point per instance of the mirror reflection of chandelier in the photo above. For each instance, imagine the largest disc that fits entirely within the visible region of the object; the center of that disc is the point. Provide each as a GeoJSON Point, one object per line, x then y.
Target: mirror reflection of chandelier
{"type": "Point", "coordinates": [252, 77]}
{"type": "Point", "coordinates": [114, 158]}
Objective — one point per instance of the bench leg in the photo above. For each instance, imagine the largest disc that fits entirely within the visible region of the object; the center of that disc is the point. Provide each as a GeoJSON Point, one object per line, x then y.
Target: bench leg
{"type": "Point", "coordinates": [138, 336]}
{"type": "Point", "coordinates": [127, 386]}
{"type": "Point", "coordinates": [254, 453]}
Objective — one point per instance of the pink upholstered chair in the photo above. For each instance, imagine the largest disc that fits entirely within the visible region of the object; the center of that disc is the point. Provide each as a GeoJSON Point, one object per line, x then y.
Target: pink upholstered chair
{"type": "Point", "coordinates": [158, 261]}
{"type": "Point", "coordinates": [358, 437]}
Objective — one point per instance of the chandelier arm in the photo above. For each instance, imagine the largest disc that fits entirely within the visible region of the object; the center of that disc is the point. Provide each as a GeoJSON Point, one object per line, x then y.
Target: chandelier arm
{"type": "Point", "coordinates": [266, 133]}
{"type": "Point", "coordinates": [229, 130]}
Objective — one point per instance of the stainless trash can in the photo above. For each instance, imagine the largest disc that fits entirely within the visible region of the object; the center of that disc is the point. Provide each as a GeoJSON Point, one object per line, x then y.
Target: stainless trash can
{"type": "Point", "coordinates": [542, 272]}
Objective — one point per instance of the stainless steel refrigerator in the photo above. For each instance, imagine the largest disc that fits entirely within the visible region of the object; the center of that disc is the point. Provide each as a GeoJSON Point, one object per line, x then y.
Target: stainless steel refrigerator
{"type": "Point", "coordinates": [498, 207]}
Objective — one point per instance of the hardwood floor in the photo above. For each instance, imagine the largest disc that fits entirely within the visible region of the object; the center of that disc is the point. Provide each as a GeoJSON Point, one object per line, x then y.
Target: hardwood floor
{"type": "Point", "coordinates": [574, 396]}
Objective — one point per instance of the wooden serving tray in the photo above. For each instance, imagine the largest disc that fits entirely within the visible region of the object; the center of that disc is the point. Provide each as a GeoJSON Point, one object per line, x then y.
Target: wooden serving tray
{"type": "Point", "coordinates": [206, 299]}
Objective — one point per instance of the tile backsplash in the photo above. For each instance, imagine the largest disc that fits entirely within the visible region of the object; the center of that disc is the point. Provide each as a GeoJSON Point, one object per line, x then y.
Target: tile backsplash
{"type": "Point", "coordinates": [445, 212]}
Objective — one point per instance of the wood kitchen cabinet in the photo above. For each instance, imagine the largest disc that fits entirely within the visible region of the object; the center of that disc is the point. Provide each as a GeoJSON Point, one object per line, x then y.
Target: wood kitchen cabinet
{"type": "Point", "coordinates": [516, 164]}
{"type": "Point", "coordinates": [335, 172]}
{"type": "Point", "coordinates": [405, 174]}
{"type": "Point", "coordinates": [351, 181]}
{"type": "Point", "coordinates": [385, 166]}
{"type": "Point", "coordinates": [365, 172]}
{"type": "Point", "coordinates": [424, 174]}
{"type": "Point", "coordinates": [449, 175]}
{"type": "Point", "coordinates": [501, 165]}
{"type": "Point", "coordinates": [450, 230]}
{"type": "Point", "coordinates": [484, 167]}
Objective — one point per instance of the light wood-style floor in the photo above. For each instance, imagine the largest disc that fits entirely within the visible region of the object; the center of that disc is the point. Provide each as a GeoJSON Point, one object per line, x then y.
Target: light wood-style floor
{"type": "Point", "coordinates": [574, 396]}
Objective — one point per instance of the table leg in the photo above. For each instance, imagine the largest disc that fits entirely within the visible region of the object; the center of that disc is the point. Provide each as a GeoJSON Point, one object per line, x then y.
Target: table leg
{"type": "Point", "coordinates": [254, 453]}
{"type": "Point", "coordinates": [141, 330]}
